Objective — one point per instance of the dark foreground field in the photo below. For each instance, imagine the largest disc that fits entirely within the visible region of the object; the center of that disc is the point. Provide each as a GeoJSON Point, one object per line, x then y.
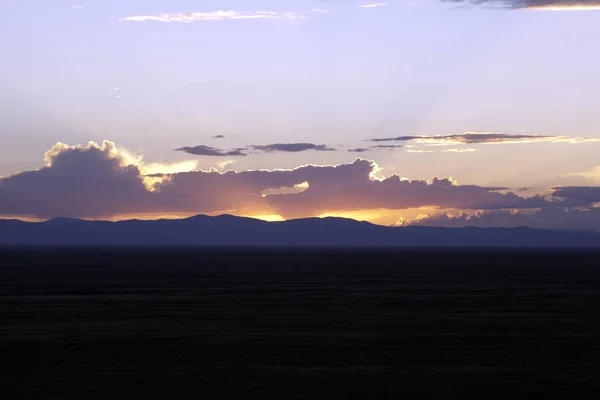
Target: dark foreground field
{"type": "Point", "coordinates": [193, 324]}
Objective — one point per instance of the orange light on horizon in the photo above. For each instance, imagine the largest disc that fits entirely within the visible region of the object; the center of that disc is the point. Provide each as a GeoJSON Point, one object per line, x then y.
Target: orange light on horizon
{"type": "Point", "coordinates": [374, 216]}
{"type": "Point", "coordinates": [149, 217]}
{"type": "Point", "coordinates": [266, 217]}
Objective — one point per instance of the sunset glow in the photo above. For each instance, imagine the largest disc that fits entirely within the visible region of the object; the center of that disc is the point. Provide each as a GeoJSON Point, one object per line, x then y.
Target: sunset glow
{"type": "Point", "coordinates": [148, 110]}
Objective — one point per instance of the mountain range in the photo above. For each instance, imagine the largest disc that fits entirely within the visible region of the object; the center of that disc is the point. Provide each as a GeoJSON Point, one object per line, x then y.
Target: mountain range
{"type": "Point", "coordinates": [228, 230]}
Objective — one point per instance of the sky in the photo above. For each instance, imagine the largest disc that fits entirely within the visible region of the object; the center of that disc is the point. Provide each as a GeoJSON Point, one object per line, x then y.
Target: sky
{"type": "Point", "coordinates": [402, 112]}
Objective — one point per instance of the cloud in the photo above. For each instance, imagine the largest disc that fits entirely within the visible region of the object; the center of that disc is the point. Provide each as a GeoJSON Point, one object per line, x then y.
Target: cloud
{"type": "Point", "coordinates": [320, 10]}
{"type": "Point", "coordinates": [358, 190]}
{"type": "Point", "coordinates": [299, 188]}
{"type": "Point", "coordinates": [459, 150]}
{"type": "Point", "coordinates": [550, 5]}
{"type": "Point", "coordinates": [545, 218]}
{"type": "Point", "coordinates": [373, 5]}
{"type": "Point", "coordinates": [211, 151]}
{"type": "Point", "coordinates": [101, 181]}
{"type": "Point", "coordinates": [290, 147]}
{"type": "Point", "coordinates": [577, 195]}
{"type": "Point", "coordinates": [203, 150]}
{"type": "Point", "coordinates": [215, 16]}
{"type": "Point", "coordinates": [357, 150]}
{"type": "Point", "coordinates": [592, 175]}
{"type": "Point", "coordinates": [221, 165]}
{"type": "Point", "coordinates": [77, 7]}
{"type": "Point", "coordinates": [173, 168]}
{"type": "Point", "coordinates": [79, 181]}
{"type": "Point", "coordinates": [418, 151]}
{"type": "Point", "coordinates": [387, 146]}
{"type": "Point", "coordinates": [219, 137]}
{"type": "Point", "coordinates": [484, 138]}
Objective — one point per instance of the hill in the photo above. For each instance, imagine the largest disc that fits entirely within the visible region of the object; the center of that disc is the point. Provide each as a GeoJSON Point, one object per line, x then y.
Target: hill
{"type": "Point", "coordinates": [227, 230]}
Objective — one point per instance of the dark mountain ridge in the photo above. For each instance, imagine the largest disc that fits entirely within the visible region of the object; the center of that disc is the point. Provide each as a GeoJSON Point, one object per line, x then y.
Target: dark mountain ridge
{"type": "Point", "coordinates": [228, 230]}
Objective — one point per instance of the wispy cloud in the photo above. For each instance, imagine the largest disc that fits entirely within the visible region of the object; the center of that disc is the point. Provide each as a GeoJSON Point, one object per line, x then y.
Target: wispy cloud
{"type": "Point", "coordinates": [291, 147]}
{"type": "Point", "coordinates": [215, 16]}
{"type": "Point", "coordinates": [387, 146]}
{"type": "Point", "coordinates": [372, 5]}
{"type": "Point", "coordinates": [320, 10]}
{"type": "Point", "coordinates": [485, 138]}
{"type": "Point", "coordinates": [78, 7]}
{"type": "Point", "coordinates": [548, 5]}
{"type": "Point", "coordinates": [203, 150]}
{"type": "Point", "coordinates": [211, 151]}
{"type": "Point", "coordinates": [567, 7]}
{"type": "Point", "coordinates": [459, 150]}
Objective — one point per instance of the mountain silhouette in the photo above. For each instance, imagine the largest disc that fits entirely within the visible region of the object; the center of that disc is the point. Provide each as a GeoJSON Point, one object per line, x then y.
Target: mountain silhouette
{"type": "Point", "coordinates": [228, 230]}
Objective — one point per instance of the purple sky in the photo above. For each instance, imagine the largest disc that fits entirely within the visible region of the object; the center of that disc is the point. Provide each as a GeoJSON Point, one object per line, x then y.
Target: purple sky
{"type": "Point", "coordinates": [294, 82]}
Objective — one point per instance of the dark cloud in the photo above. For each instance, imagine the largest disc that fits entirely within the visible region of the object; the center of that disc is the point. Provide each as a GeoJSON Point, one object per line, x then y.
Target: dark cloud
{"type": "Point", "coordinates": [102, 181]}
{"type": "Point", "coordinates": [578, 195]}
{"type": "Point", "coordinates": [387, 146]}
{"type": "Point", "coordinates": [219, 137]}
{"type": "Point", "coordinates": [396, 139]}
{"type": "Point", "coordinates": [525, 4]}
{"type": "Point", "coordinates": [77, 182]}
{"type": "Point", "coordinates": [545, 218]}
{"type": "Point", "coordinates": [290, 147]}
{"type": "Point", "coordinates": [211, 151]}
{"type": "Point", "coordinates": [535, 4]}
{"type": "Point", "coordinates": [467, 138]}
{"type": "Point", "coordinates": [358, 150]}
{"type": "Point", "coordinates": [484, 138]}
{"type": "Point", "coordinates": [242, 151]}
{"type": "Point", "coordinates": [362, 192]}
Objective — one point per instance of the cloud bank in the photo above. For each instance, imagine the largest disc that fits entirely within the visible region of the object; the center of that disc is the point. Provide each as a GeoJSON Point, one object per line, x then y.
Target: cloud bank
{"type": "Point", "coordinates": [545, 218]}
{"type": "Point", "coordinates": [100, 180]}
{"type": "Point", "coordinates": [103, 181]}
